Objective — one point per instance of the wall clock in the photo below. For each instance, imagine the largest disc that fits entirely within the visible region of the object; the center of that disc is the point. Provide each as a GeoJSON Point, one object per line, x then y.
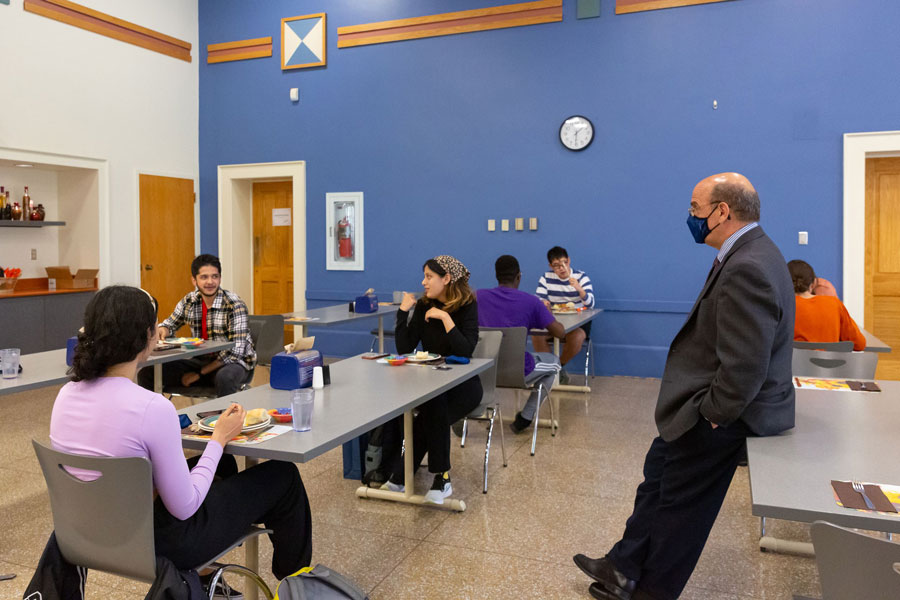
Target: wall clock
{"type": "Point", "coordinates": [576, 133]}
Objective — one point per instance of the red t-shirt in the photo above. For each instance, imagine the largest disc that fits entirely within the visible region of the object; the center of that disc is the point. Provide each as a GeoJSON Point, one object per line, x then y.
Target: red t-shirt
{"type": "Point", "coordinates": [203, 333]}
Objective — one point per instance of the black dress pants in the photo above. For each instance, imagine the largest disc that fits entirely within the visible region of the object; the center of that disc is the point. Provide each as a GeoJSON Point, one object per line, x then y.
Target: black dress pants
{"type": "Point", "coordinates": [431, 428]}
{"type": "Point", "coordinates": [270, 493]}
{"type": "Point", "coordinates": [685, 482]}
{"type": "Point", "coordinates": [227, 379]}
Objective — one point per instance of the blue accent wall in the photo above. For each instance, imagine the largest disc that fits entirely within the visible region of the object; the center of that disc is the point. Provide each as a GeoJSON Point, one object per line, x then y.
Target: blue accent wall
{"type": "Point", "coordinates": [444, 133]}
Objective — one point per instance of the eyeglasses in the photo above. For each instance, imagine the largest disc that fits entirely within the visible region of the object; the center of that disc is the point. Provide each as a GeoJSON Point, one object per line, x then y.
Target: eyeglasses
{"type": "Point", "coordinates": [692, 210]}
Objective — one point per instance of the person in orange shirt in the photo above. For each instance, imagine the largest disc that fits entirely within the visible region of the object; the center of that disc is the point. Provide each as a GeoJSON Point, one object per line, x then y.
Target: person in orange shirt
{"type": "Point", "coordinates": [820, 318]}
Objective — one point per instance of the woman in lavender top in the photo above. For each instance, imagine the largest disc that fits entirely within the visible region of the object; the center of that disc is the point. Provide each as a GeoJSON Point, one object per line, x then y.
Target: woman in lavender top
{"type": "Point", "coordinates": [202, 505]}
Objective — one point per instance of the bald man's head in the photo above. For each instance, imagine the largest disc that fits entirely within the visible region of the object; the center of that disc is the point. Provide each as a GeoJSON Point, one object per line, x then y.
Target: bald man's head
{"type": "Point", "coordinates": [736, 191]}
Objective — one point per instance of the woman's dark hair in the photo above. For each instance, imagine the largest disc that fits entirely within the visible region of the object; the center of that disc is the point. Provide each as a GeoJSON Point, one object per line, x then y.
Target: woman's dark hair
{"type": "Point", "coordinates": [117, 323]}
{"type": "Point", "coordinates": [802, 275]}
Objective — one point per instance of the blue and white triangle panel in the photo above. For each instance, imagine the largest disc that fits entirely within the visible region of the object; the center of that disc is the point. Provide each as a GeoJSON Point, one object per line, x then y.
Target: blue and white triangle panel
{"type": "Point", "coordinates": [304, 41]}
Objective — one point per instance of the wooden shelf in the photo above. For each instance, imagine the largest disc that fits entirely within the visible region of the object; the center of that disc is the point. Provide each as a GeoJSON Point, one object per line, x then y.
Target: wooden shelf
{"type": "Point", "coordinates": [32, 223]}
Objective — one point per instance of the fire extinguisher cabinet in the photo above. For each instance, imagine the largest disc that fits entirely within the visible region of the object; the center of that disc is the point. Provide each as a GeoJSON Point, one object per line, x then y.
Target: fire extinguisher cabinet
{"type": "Point", "coordinates": [344, 239]}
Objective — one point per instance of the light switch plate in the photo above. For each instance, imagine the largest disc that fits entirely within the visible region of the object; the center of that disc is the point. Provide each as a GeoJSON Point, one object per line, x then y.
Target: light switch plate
{"type": "Point", "coordinates": [532, 223]}
{"type": "Point", "coordinates": [492, 225]}
{"type": "Point", "coordinates": [803, 238]}
{"type": "Point", "coordinates": [504, 225]}
{"type": "Point", "coordinates": [295, 95]}
{"type": "Point", "coordinates": [520, 224]}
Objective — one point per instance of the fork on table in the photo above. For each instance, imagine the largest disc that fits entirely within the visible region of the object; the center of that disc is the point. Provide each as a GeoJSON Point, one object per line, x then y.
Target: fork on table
{"type": "Point", "coordinates": [860, 489]}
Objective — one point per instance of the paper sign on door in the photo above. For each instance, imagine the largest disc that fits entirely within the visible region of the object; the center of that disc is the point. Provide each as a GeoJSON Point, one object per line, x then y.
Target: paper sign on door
{"type": "Point", "coordinates": [281, 217]}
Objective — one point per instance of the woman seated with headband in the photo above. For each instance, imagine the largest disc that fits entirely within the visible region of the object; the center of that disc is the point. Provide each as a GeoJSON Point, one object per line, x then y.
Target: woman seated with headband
{"type": "Point", "coordinates": [820, 318]}
{"type": "Point", "coordinates": [103, 412]}
{"type": "Point", "coordinates": [445, 321]}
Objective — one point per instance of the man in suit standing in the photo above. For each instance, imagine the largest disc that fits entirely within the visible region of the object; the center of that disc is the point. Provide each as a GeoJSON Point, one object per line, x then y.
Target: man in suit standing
{"type": "Point", "coordinates": [727, 376]}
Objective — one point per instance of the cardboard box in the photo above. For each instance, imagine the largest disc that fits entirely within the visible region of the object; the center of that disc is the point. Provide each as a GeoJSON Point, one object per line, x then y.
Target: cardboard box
{"type": "Point", "coordinates": [83, 278]}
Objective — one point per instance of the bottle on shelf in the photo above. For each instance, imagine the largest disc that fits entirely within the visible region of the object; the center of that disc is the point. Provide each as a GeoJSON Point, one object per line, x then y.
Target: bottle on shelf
{"type": "Point", "coordinates": [41, 212]}
{"type": "Point", "coordinates": [2, 203]}
{"type": "Point", "coordinates": [27, 206]}
{"type": "Point", "coordinates": [7, 209]}
{"type": "Point", "coordinates": [16, 212]}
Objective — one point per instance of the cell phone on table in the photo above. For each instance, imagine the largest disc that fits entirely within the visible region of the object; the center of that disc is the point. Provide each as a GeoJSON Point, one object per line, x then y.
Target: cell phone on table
{"type": "Point", "coordinates": [442, 368]}
{"type": "Point", "coordinates": [209, 413]}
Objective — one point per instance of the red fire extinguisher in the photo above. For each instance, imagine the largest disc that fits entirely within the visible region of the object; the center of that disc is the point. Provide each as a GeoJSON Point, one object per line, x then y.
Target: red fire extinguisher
{"type": "Point", "coordinates": [345, 243]}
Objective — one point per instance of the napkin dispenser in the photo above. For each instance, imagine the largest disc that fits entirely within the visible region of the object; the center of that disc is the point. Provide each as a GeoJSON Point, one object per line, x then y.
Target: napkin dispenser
{"type": "Point", "coordinates": [367, 303]}
{"type": "Point", "coordinates": [293, 370]}
{"type": "Point", "coordinates": [70, 350]}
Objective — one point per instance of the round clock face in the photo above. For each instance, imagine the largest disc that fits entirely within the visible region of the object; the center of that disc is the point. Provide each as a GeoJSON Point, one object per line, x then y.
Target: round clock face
{"type": "Point", "coordinates": [576, 133]}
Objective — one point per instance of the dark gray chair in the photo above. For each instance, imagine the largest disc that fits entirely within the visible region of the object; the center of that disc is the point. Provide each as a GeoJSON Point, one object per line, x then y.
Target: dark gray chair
{"type": "Point", "coordinates": [258, 324]}
{"type": "Point", "coordinates": [855, 565]}
{"type": "Point", "coordinates": [845, 346]}
{"type": "Point", "coordinates": [511, 372]}
{"type": "Point", "coordinates": [267, 332]}
{"type": "Point", "coordinates": [834, 365]}
{"type": "Point", "coordinates": [107, 524]}
{"type": "Point", "coordinates": [488, 347]}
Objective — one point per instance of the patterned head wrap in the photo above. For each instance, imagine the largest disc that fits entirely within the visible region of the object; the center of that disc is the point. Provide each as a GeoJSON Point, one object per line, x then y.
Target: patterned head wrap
{"type": "Point", "coordinates": [453, 267]}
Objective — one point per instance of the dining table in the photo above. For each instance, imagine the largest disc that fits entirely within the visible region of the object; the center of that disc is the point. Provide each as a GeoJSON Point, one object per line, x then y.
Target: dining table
{"type": "Point", "coordinates": [338, 314]}
{"type": "Point", "coordinates": [570, 321]}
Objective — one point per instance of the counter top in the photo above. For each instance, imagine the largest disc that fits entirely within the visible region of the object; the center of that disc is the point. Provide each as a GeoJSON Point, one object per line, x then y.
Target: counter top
{"type": "Point", "coordinates": [38, 286]}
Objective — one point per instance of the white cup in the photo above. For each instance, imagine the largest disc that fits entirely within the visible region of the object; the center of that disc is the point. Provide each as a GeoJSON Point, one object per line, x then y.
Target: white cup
{"type": "Point", "coordinates": [9, 362]}
{"type": "Point", "coordinates": [398, 297]}
{"type": "Point", "coordinates": [318, 379]}
{"type": "Point", "coordinates": [302, 401]}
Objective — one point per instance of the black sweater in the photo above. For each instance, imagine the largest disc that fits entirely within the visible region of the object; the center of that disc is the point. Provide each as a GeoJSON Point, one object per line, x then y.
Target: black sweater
{"type": "Point", "coordinates": [460, 341]}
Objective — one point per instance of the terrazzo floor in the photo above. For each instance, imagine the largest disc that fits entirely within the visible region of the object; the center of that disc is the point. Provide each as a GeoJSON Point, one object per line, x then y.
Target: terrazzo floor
{"type": "Point", "coordinates": [517, 541]}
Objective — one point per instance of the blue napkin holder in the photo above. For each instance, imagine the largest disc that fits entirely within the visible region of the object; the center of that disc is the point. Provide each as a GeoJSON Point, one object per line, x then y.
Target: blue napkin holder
{"type": "Point", "coordinates": [70, 350]}
{"type": "Point", "coordinates": [366, 304]}
{"type": "Point", "coordinates": [293, 370]}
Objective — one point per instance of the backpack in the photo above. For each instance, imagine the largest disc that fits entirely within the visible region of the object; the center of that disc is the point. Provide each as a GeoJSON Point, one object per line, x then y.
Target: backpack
{"type": "Point", "coordinates": [318, 583]}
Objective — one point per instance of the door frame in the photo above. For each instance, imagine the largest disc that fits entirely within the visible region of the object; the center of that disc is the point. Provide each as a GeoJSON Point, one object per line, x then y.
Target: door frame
{"type": "Point", "coordinates": [137, 214]}
{"type": "Point", "coordinates": [857, 148]}
{"type": "Point", "coordinates": [235, 183]}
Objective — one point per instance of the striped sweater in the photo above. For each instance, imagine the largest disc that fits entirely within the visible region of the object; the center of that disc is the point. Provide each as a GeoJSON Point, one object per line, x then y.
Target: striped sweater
{"type": "Point", "coordinates": [558, 291]}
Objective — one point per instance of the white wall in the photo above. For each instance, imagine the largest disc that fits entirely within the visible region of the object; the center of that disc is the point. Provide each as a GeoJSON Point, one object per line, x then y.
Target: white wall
{"type": "Point", "coordinates": [16, 243]}
{"type": "Point", "coordinates": [70, 91]}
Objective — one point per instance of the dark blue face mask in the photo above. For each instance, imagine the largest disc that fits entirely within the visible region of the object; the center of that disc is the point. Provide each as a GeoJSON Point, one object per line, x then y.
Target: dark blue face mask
{"type": "Point", "coordinates": [699, 227]}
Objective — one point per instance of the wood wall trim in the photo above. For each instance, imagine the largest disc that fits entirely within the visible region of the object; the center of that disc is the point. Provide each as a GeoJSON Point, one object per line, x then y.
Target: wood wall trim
{"type": "Point", "coordinates": [239, 50]}
{"type": "Point", "coordinates": [482, 19]}
{"type": "Point", "coordinates": [632, 6]}
{"type": "Point", "coordinates": [104, 24]}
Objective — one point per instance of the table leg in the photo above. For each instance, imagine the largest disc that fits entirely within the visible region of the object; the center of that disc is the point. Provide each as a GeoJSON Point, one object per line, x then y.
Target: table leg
{"type": "Point", "coordinates": [584, 389]}
{"type": "Point", "coordinates": [407, 496]}
{"type": "Point", "coordinates": [381, 334]}
{"type": "Point", "coordinates": [251, 548]}
{"type": "Point", "coordinates": [157, 378]}
{"type": "Point", "coordinates": [303, 331]}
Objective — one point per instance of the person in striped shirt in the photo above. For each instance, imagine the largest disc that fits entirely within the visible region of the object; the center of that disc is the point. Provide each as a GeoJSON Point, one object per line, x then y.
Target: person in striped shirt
{"type": "Point", "coordinates": [561, 285]}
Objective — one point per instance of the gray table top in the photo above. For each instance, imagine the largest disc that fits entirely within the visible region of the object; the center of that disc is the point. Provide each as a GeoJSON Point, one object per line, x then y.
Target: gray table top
{"type": "Point", "coordinates": [575, 320]}
{"type": "Point", "coordinates": [332, 315]}
{"type": "Point", "coordinates": [838, 435]}
{"type": "Point", "coordinates": [49, 368]}
{"type": "Point", "coordinates": [873, 344]}
{"type": "Point", "coordinates": [363, 394]}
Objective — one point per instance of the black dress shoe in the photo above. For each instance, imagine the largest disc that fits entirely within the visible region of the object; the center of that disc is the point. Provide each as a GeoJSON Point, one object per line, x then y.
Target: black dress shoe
{"type": "Point", "coordinates": [611, 583]}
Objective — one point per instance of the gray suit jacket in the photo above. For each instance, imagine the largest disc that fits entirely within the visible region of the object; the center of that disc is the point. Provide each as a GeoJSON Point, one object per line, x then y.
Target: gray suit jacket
{"type": "Point", "coordinates": [731, 360]}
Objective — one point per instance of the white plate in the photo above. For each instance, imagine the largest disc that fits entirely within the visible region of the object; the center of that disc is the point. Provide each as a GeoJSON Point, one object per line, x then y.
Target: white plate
{"type": "Point", "coordinates": [412, 357]}
{"type": "Point", "coordinates": [209, 423]}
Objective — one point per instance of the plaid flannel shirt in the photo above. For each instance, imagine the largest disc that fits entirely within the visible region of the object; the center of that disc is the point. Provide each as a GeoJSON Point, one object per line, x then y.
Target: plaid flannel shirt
{"type": "Point", "coordinates": [227, 320]}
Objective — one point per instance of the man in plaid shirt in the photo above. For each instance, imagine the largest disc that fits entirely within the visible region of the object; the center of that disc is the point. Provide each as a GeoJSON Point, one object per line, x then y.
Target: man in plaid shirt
{"type": "Point", "coordinates": [212, 314]}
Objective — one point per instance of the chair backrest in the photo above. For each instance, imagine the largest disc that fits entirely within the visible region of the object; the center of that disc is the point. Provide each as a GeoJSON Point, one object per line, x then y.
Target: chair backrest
{"type": "Point", "coordinates": [488, 347]}
{"type": "Point", "coordinates": [511, 360]}
{"type": "Point", "coordinates": [845, 346]}
{"type": "Point", "coordinates": [816, 363]}
{"type": "Point", "coordinates": [105, 524]}
{"type": "Point", "coordinates": [268, 339]}
{"type": "Point", "coordinates": [855, 565]}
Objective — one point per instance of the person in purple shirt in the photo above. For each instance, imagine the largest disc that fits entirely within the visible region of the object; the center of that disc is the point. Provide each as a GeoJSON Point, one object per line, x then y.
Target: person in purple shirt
{"type": "Point", "coordinates": [507, 306]}
{"type": "Point", "coordinates": [201, 506]}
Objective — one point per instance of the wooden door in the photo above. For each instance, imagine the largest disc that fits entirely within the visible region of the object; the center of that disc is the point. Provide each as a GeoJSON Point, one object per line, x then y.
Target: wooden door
{"type": "Point", "coordinates": [883, 259]}
{"type": "Point", "coordinates": [273, 250]}
{"type": "Point", "coordinates": [167, 240]}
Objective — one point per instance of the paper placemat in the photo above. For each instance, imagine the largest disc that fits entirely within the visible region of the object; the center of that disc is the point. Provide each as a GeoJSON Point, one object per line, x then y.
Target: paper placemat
{"type": "Point", "coordinates": [241, 439]}
{"type": "Point", "coordinates": [835, 385]}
